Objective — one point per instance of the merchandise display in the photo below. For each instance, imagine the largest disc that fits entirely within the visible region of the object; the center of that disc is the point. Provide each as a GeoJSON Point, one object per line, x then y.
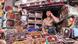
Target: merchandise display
{"type": "Point", "coordinates": [1, 12]}
{"type": "Point", "coordinates": [10, 23]}
{"type": "Point", "coordinates": [35, 18]}
{"type": "Point", "coordinates": [10, 16]}
{"type": "Point", "coordinates": [24, 20]}
{"type": "Point", "coordinates": [38, 22]}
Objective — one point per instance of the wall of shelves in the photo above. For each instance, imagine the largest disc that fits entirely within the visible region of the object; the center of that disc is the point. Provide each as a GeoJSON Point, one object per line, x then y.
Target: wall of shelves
{"type": "Point", "coordinates": [35, 10]}
{"type": "Point", "coordinates": [35, 18]}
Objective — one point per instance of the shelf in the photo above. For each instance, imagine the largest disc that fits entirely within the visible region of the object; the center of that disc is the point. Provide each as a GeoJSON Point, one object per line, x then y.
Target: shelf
{"type": "Point", "coordinates": [35, 23]}
{"type": "Point", "coordinates": [32, 1]}
{"type": "Point", "coordinates": [39, 25]}
{"type": "Point", "coordinates": [31, 24]}
{"type": "Point", "coordinates": [32, 18]}
{"type": "Point", "coordinates": [38, 21]}
{"type": "Point", "coordinates": [38, 18]}
{"type": "Point", "coordinates": [36, 7]}
{"type": "Point", "coordinates": [11, 19]}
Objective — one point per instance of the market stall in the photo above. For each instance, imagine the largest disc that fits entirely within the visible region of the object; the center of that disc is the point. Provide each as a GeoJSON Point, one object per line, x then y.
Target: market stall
{"type": "Point", "coordinates": [27, 23]}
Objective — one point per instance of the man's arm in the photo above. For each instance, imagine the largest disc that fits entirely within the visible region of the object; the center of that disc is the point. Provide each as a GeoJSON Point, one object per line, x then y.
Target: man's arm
{"type": "Point", "coordinates": [55, 18]}
{"type": "Point", "coordinates": [43, 26]}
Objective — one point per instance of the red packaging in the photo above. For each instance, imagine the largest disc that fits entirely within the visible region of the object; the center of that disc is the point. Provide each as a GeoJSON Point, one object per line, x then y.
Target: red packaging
{"type": "Point", "coordinates": [11, 16]}
{"type": "Point", "coordinates": [7, 8]}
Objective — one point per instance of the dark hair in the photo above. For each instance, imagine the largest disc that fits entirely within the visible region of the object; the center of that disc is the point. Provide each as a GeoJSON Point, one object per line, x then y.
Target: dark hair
{"type": "Point", "coordinates": [72, 16]}
{"type": "Point", "coordinates": [48, 10]}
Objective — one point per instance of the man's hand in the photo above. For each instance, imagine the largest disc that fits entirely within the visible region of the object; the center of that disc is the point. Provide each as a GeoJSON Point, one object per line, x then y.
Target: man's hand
{"type": "Point", "coordinates": [51, 14]}
{"type": "Point", "coordinates": [55, 18]}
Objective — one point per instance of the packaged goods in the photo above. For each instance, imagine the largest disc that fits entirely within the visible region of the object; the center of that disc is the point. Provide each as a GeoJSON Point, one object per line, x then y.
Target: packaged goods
{"type": "Point", "coordinates": [10, 23]}
{"type": "Point", "coordinates": [1, 13]}
{"type": "Point", "coordinates": [20, 36]}
{"type": "Point", "coordinates": [10, 36]}
{"type": "Point", "coordinates": [24, 20]}
{"type": "Point", "coordinates": [10, 16]}
{"type": "Point", "coordinates": [0, 22]}
{"type": "Point", "coordinates": [31, 29]}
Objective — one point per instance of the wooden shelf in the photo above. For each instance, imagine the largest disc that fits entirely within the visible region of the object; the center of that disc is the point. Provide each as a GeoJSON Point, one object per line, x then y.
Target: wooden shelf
{"type": "Point", "coordinates": [31, 23]}
{"type": "Point", "coordinates": [37, 16]}
{"type": "Point", "coordinates": [42, 5]}
{"type": "Point", "coordinates": [32, 18]}
{"type": "Point", "coordinates": [34, 24]}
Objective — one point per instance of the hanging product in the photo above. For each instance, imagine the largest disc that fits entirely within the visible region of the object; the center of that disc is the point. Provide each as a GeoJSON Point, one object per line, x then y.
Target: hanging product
{"type": "Point", "coordinates": [4, 24]}
{"type": "Point", "coordinates": [1, 10]}
{"type": "Point", "coordinates": [24, 20]}
{"type": "Point", "coordinates": [10, 23]}
{"type": "Point", "coordinates": [0, 23]}
{"type": "Point", "coordinates": [24, 12]}
{"type": "Point", "coordinates": [17, 16]}
{"type": "Point", "coordinates": [71, 21]}
{"type": "Point", "coordinates": [8, 8]}
{"type": "Point", "coordinates": [10, 16]}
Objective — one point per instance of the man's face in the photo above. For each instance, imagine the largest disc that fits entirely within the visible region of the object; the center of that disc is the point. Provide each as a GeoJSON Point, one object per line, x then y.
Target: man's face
{"type": "Point", "coordinates": [48, 13]}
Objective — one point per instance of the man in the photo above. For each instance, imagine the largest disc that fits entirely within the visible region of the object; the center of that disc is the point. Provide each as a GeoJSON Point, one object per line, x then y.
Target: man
{"type": "Point", "coordinates": [48, 22]}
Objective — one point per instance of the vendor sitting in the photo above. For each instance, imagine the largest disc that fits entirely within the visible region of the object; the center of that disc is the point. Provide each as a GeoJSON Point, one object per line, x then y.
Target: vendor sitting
{"type": "Point", "coordinates": [48, 23]}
